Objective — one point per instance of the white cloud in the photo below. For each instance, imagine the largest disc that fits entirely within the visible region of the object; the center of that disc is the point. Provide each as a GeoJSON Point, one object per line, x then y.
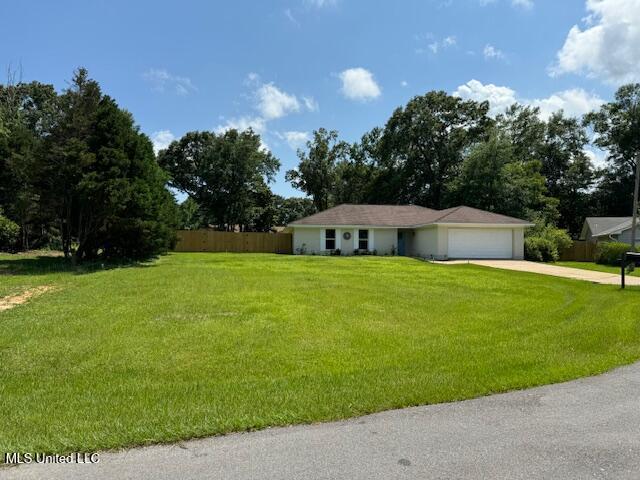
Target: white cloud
{"type": "Point", "coordinates": [434, 45]}
{"type": "Point", "coordinates": [404, 83]}
{"type": "Point", "coordinates": [295, 139]}
{"type": "Point", "coordinates": [161, 80]}
{"type": "Point", "coordinates": [257, 124]}
{"type": "Point", "coordinates": [321, 3]}
{"type": "Point", "coordinates": [609, 46]}
{"type": "Point", "coordinates": [161, 139]}
{"type": "Point", "coordinates": [270, 103]}
{"type": "Point", "coordinates": [574, 102]}
{"type": "Point", "coordinates": [499, 97]}
{"type": "Point", "coordinates": [526, 4]}
{"type": "Point", "coordinates": [522, 4]}
{"type": "Point", "coordinates": [290, 17]}
{"type": "Point", "coordinates": [242, 124]}
{"type": "Point", "coordinates": [492, 53]}
{"type": "Point", "coordinates": [274, 103]}
{"type": "Point", "coordinates": [310, 104]}
{"type": "Point", "coordinates": [252, 79]}
{"type": "Point", "coordinates": [359, 84]}
{"type": "Point", "coordinates": [598, 157]}
{"type": "Point", "coordinates": [449, 41]}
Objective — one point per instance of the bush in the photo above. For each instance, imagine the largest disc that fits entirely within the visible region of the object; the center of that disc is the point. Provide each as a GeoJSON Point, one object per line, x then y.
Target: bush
{"type": "Point", "coordinates": [540, 249]}
{"type": "Point", "coordinates": [545, 242]}
{"type": "Point", "coordinates": [9, 233]}
{"type": "Point", "coordinates": [610, 253]}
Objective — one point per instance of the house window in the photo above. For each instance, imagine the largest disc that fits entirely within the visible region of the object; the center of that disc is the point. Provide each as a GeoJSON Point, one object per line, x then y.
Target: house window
{"type": "Point", "coordinates": [363, 239]}
{"type": "Point", "coordinates": [330, 239]}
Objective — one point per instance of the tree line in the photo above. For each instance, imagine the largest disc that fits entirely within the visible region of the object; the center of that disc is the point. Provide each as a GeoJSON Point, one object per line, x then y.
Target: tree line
{"type": "Point", "coordinates": [441, 151]}
{"type": "Point", "coordinates": [77, 173]}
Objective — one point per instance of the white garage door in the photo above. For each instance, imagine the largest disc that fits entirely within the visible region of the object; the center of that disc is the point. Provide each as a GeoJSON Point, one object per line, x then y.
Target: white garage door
{"type": "Point", "coordinates": [480, 243]}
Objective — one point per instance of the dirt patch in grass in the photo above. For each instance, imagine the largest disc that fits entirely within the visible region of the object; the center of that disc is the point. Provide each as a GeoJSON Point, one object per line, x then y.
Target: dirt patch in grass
{"type": "Point", "coordinates": [9, 302]}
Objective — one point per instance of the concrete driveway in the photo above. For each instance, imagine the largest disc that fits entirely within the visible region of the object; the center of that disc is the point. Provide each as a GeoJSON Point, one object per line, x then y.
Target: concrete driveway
{"type": "Point", "coordinates": [588, 428]}
{"type": "Point", "coordinates": [556, 271]}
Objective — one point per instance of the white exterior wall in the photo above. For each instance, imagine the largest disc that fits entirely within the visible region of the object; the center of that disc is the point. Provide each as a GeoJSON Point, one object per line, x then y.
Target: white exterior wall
{"type": "Point", "coordinates": [433, 242]}
{"type": "Point", "coordinates": [307, 240]}
{"type": "Point", "coordinates": [443, 243]}
{"type": "Point", "coordinates": [425, 243]}
{"type": "Point", "coordinates": [518, 243]}
{"type": "Point", "coordinates": [385, 241]}
{"type": "Point", "coordinates": [347, 246]}
{"type": "Point", "coordinates": [311, 240]}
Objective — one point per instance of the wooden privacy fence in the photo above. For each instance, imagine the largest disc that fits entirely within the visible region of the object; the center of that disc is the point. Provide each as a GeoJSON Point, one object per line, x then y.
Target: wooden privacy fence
{"type": "Point", "coordinates": [579, 251]}
{"type": "Point", "coordinates": [248, 242]}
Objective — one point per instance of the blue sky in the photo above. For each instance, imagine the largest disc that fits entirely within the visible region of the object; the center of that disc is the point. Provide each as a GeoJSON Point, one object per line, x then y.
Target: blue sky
{"type": "Point", "coordinates": [289, 67]}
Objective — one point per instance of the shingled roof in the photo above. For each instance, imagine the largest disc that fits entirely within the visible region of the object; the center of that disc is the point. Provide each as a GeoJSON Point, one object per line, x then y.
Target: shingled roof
{"type": "Point", "coordinates": [464, 214]}
{"type": "Point", "coordinates": [606, 225]}
{"type": "Point", "coordinates": [402, 216]}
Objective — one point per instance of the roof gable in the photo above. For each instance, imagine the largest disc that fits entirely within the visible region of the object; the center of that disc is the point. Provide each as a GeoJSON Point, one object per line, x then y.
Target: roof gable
{"type": "Point", "coordinates": [626, 225]}
{"type": "Point", "coordinates": [605, 225]}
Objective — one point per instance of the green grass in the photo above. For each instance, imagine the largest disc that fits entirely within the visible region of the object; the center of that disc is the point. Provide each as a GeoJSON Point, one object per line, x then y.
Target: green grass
{"type": "Point", "coordinates": [596, 267]}
{"type": "Point", "coordinates": [201, 344]}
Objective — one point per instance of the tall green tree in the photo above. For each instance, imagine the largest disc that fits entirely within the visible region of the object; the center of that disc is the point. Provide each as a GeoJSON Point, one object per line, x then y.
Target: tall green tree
{"type": "Point", "coordinates": [9, 232]}
{"type": "Point", "coordinates": [189, 215]}
{"type": "Point", "coordinates": [101, 181]}
{"type": "Point", "coordinates": [27, 113]}
{"type": "Point", "coordinates": [525, 130]}
{"type": "Point", "coordinates": [291, 209]}
{"type": "Point", "coordinates": [617, 130]}
{"type": "Point", "coordinates": [481, 182]}
{"type": "Point", "coordinates": [356, 175]}
{"type": "Point", "coordinates": [559, 145]}
{"type": "Point", "coordinates": [226, 174]}
{"type": "Point", "coordinates": [68, 154]}
{"type": "Point", "coordinates": [316, 172]}
{"type": "Point", "coordinates": [568, 171]}
{"type": "Point", "coordinates": [525, 193]}
{"type": "Point", "coordinates": [493, 179]}
{"type": "Point", "coordinates": [422, 146]}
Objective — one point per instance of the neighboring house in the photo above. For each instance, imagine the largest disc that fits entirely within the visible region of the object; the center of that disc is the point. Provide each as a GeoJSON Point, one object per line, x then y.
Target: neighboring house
{"type": "Point", "coordinates": [459, 232]}
{"type": "Point", "coordinates": [608, 229]}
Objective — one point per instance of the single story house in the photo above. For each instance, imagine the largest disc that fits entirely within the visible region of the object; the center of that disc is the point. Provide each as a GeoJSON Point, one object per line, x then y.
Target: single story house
{"type": "Point", "coordinates": [459, 232]}
{"type": "Point", "coordinates": [608, 229]}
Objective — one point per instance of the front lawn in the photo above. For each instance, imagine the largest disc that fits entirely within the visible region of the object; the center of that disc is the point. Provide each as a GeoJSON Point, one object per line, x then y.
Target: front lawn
{"type": "Point", "coordinates": [595, 266]}
{"type": "Point", "coordinates": [202, 344]}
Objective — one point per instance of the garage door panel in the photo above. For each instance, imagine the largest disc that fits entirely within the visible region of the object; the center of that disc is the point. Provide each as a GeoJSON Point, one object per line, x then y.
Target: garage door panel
{"type": "Point", "coordinates": [480, 243]}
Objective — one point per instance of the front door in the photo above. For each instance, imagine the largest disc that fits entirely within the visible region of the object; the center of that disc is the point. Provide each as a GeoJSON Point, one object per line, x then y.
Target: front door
{"type": "Point", "coordinates": [401, 244]}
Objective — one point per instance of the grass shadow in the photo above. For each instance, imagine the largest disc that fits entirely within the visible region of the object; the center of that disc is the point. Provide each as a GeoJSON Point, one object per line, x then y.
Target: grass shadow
{"type": "Point", "coordinates": [46, 265]}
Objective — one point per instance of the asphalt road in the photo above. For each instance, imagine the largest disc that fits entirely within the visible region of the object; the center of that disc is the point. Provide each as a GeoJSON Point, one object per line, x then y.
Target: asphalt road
{"type": "Point", "coordinates": [588, 428]}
